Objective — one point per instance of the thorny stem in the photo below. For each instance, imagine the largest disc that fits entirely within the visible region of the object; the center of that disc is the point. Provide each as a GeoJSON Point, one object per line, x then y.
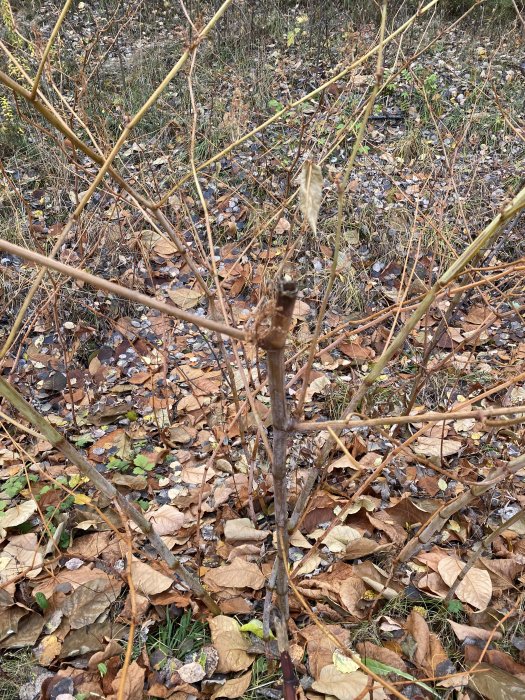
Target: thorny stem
{"type": "Point", "coordinates": [107, 488]}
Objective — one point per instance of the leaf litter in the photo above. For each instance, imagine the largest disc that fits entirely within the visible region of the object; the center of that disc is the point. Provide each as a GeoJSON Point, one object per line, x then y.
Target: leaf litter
{"type": "Point", "coordinates": [151, 419]}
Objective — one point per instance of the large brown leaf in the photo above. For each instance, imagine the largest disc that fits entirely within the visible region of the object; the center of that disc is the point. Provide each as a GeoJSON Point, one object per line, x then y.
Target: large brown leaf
{"type": "Point", "coordinates": [148, 580]}
{"type": "Point", "coordinates": [320, 648]}
{"type": "Point", "coordinates": [494, 684]}
{"type": "Point", "coordinates": [89, 601]}
{"type": "Point", "coordinates": [242, 529]}
{"type": "Point", "coordinates": [230, 643]}
{"type": "Point", "coordinates": [344, 686]}
{"type": "Point", "coordinates": [234, 688]}
{"type": "Point", "coordinates": [133, 683]}
{"type": "Point", "coordinates": [29, 629]}
{"type": "Point", "coordinates": [476, 587]}
{"type": "Point", "coordinates": [417, 626]}
{"type": "Point", "coordinates": [238, 574]}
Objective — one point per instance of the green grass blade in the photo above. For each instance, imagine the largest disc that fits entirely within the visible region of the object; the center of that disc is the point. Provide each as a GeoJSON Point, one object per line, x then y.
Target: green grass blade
{"type": "Point", "coordinates": [383, 670]}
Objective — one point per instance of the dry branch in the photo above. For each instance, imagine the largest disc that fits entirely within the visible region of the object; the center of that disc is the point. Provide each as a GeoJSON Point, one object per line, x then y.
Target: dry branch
{"type": "Point", "coordinates": [431, 417]}
{"type": "Point", "coordinates": [124, 292]}
{"type": "Point", "coordinates": [439, 520]}
{"type": "Point", "coordinates": [49, 46]}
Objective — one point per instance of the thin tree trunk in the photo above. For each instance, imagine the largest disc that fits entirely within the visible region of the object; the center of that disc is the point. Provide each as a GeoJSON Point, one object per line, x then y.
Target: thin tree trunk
{"type": "Point", "coordinates": [273, 339]}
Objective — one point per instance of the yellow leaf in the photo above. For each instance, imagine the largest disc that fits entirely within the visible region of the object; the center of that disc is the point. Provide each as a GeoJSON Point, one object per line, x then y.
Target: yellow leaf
{"type": "Point", "coordinates": [81, 499]}
{"type": "Point", "coordinates": [310, 192]}
{"type": "Point", "coordinates": [344, 663]}
{"type": "Point", "coordinates": [77, 479]}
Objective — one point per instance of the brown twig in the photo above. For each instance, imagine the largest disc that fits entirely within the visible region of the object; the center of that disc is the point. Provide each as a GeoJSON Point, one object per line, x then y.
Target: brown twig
{"type": "Point", "coordinates": [438, 521]}
{"type": "Point", "coordinates": [117, 289]}
{"type": "Point", "coordinates": [432, 417]}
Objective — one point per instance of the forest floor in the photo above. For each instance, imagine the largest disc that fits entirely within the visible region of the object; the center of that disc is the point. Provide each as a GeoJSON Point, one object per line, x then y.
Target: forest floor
{"type": "Point", "coordinates": [149, 401]}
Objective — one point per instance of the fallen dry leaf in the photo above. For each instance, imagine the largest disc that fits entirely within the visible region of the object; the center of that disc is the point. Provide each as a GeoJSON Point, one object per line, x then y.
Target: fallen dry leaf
{"type": "Point", "coordinates": [238, 574]}
{"type": "Point", "coordinates": [113, 648]}
{"type": "Point", "coordinates": [192, 474]}
{"type": "Point", "coordinates": [320, 648]}
{"type": "Point", "coordinates": [363, 547]}
{"type": "Point", "coordinates": [242, 529]}
{"type": "Point", "coordinates": [345, 686]}
{"type": "Point", "coordinates": [92, 638]}
{"type": "Point", "coordinates": [26, 555]}
{"type": "Point", "coordinates": [17, 515]}
{"type": "Point", "coordinates": [368, 650]}
{"type": "Point", "coordinates": [29, 629]}
{"type": "Point", "coordinates": [351, 591]}
{"type": "Point", "coordinates": [310, 192]}
{"type": "Point", "coordinates": [235, 687]}
{"type": "Point", "coordinates": [436, 447]}
{"type": "Point", "coordinates": [133, 683]}
{"type": "Point", "coordinates": [148, 580]}
{"type": "Point", "coordinates": [317, 386]}
{"type": "Point", "coordinates": [47, 650]}
{"type": "Point", "coordinates": [494, 684]}
{"type": "Point", "coordinates": [166, 520]}
{"type": "Point", "coordinates": [9, 619]}
{"type": "Point", "coordinates": [337, 538]}
{"type": "Point", "coordinates": [185, 298]}
{"type": "Point", "coordinates": [463, 632]}
{"type": "Point", "coordinates": [86, 603]}
{"type": "Point", "coordinates": [230, 643]}
{"type": "Point", "coordinates": [309, 565]}
{"type": "Point", "coordinates": [343, 462]}
{"type": "Point", "coordinates": [476, 587]}
{"type": "Point", "coordinates": [417, 626]}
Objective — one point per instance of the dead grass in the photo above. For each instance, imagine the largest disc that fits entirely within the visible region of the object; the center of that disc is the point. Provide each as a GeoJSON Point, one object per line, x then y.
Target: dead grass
{"type": "Point", "coordinates": [16, 668]}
